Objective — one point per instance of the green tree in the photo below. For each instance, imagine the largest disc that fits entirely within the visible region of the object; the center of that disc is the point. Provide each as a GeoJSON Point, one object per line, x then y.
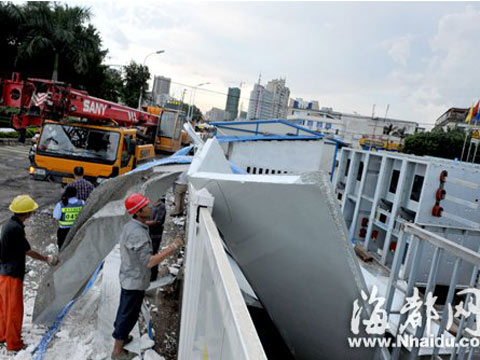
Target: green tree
{"type": "Point", "coordinates": [196, 112]}
{"type": "Point", "coordinates": [51, 40]}
{"type": "Point", "coordinates": [400, 132]}
{"type": "Point", "coordinates": [438, 142]}
{"type": "Point", "coordinates": [56, 29]}
{"type": "Point", "coordinates": [111, 87]}
{"type": "Point", "coordinates": [389, 129]}
{"type": "Point", "coordinates": [10, 22]}
{"type": "Point", "coordinates": [135, 80]}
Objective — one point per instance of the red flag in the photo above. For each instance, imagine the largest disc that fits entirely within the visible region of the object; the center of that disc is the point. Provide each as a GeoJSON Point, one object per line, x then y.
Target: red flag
{"type": "Point", "coordinates": [475, 109]}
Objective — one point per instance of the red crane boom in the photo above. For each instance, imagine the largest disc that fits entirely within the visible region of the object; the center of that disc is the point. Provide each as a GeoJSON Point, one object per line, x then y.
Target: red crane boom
{"type": "Point", "coordinates": [39, 99]}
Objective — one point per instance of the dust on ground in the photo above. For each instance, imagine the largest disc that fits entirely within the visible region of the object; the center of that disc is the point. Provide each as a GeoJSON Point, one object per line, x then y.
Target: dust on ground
{"type": "Point", "coordinates": [15, 180]}
{"type": "Point", "coordinates": [163, 303]}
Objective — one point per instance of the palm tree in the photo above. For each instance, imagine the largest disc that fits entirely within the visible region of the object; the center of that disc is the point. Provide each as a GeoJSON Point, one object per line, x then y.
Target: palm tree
{"type": "Point", "coordinates": [388, 130]}
{"type": "Point", "coordinates": [400, 132]}
{"type": "Point", "coordinates": [57, 29]}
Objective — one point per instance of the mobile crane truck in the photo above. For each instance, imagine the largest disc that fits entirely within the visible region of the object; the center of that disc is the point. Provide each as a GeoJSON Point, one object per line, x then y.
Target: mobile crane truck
{"type": "Point", "coordinates": [105, 138]}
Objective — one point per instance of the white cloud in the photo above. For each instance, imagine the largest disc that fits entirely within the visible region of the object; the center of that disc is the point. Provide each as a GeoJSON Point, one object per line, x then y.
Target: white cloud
{"type": "Point", "coordinates": [448, 77]}
{"type": "Point", "coordinates": [399, 49]}
{"type": "Point", "coordinates": [348, 56]}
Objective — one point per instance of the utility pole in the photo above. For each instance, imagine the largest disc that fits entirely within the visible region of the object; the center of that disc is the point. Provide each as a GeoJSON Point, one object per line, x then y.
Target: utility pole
{"type": "Point", "coordinates": [192, 100]}
{"type": "Point", "coordinates": [182, 99]}
{"type": "Point", "coordinates": [141, 88]}
{"type": "Point", "coordinates": [374, 128]}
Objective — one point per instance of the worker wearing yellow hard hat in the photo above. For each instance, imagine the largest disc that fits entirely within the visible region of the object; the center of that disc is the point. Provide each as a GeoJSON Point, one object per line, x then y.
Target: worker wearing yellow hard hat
{"type": "Point", "coordinates": [14, 247]}
{"type": "Point", "coordinates": [23, 204]}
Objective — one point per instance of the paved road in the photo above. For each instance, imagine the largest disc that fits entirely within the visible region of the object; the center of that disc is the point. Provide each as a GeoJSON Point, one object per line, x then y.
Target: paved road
{"type": "Point", "coordinates": [15, 180]}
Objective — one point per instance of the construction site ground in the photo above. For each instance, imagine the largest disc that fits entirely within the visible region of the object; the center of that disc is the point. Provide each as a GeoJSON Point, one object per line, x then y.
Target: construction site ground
{"type": "Point", "coordinates": [15, 180]}
{"type": "Point", "coordinates": [41, 232]}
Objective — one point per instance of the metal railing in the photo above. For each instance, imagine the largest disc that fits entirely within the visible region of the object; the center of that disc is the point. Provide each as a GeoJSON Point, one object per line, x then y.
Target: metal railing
{"type": "Point", "coordinates": [215, 322]}
{"type": "Point", "coordinates": [417, 238]}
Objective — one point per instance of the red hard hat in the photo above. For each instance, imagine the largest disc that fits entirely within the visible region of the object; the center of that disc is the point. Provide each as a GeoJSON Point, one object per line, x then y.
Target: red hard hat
{"type": "Point", "coordinates": [135, 202]}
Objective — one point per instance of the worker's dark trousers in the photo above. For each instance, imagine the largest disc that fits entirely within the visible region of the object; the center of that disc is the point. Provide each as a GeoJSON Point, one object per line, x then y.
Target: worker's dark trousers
{"type": "Point", "coordinates": [156, 240]}
{"type": "Point", "coordinates": [61, 235]}
{"type": "Point", "coordinates": [128, 312]}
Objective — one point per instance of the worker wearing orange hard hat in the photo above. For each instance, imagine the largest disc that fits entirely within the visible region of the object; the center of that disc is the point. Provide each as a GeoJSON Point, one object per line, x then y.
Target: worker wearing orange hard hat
{"type": "Point", "coordinates": [137, 259]}
{"type": "Point", "coordinates": [14, 247]}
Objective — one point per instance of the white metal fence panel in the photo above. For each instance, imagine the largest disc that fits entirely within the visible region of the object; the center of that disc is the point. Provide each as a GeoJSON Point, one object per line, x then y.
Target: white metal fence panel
{"type": "Point", "coordinates": [215, 322]}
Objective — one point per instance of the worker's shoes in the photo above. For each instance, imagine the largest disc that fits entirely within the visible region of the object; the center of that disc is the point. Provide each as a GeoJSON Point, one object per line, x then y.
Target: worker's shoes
{"type": "Point", "coordinates": [128, 341]}
{"type": "Point", "coordinates": [125, 355]}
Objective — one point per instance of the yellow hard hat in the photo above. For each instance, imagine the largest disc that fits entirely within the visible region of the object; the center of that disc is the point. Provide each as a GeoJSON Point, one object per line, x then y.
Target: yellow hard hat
{"type": "Point", "coordinates": [23, 204]}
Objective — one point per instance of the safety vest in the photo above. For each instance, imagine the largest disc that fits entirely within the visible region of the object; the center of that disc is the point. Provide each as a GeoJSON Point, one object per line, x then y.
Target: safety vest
{"type": "Point", "coordinates": [70, 213]}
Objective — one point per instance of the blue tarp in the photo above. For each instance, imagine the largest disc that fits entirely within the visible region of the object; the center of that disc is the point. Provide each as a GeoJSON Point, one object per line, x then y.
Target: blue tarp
{"type": "Point", "coordinates": [181, 160]}
{"type": "Point", "coordinates": [165, 161]}
{"type": "Point", "coordinates": [184, 151]}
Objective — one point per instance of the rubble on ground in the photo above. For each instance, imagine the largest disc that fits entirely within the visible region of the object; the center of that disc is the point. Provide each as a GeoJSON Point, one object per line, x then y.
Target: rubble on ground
{"type": "Point", "coordinates": [74, 339]}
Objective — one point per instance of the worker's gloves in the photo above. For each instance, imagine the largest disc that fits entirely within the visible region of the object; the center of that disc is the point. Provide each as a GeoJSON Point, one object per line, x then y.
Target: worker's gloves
{"type": "Point", "coordinates": [177, 243]}
{"type": "Point", "coordinates": [52, 260]}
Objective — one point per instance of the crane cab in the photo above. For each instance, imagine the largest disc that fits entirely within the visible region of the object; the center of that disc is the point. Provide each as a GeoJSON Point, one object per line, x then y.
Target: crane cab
{"type": "Point", "coordinates": [170, 135]}
{"type": "Point", "coordinates": [102, 151]}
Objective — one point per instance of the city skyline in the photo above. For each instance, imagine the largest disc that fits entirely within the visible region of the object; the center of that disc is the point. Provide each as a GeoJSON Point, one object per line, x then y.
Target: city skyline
{"type": "Point", "coordinates": [414, 58]}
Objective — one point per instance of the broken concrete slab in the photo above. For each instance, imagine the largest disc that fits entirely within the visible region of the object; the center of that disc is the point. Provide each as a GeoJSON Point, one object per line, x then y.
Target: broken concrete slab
{"type": "Point", "coordinates": [210, 159]}
{"type": "Point", "coordinates": [290, 241]}
{"type": "Point", "coordinates": [93, 236]}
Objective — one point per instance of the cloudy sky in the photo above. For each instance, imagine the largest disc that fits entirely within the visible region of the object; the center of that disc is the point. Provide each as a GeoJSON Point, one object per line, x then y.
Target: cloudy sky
{"type": "Point", "coordinates": [418, 58]}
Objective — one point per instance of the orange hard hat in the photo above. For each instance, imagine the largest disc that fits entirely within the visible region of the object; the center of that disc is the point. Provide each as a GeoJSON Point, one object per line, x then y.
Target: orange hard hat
{"type": "Point", "coordinates": [135, 202]}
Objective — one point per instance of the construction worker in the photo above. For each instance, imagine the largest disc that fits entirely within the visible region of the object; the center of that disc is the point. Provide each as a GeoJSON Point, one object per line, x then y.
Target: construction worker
{"type": "Point", "coordinates": [33, 149]}
{"type": "Point", "coordinates": [84, 187]}
{"type": "Point", "coordinates": [155, 228]}
{"type": "Point", "coordinates": [180, 191]}
{"type": "Point", "coordinates": [13, 248]}
{"type": "Point", "coordinates": [137, 260]}
{"type": "Point", "coordinates": [66, 212]}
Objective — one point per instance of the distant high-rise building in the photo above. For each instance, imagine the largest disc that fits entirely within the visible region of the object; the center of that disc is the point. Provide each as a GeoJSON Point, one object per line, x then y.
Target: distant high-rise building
{"type": "Point", "coordinates": [233, 98]}
{"type": "Point", "coordinates": [269, 102]}
{"type": "Point", "coordinates": [161, 90]}
{"type": "Point", "coordinates": [260, 105]}
{"type": "Point", "coordinates": [216, 114]}
{"type": "Point", "coordinates": [281, 94]}
{"type": "Point", "coordinates": [299, 103]}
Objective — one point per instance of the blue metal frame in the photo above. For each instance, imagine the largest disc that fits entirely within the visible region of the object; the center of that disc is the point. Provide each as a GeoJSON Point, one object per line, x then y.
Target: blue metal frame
{"type": "Point", "coordinates": [234, 138]}
{"type": "Point", "coordinates": [243, 130]}
{"type": "Point", "coordinates": [226, 125]}
{"type": "Point", "coordinates": [231, 125]}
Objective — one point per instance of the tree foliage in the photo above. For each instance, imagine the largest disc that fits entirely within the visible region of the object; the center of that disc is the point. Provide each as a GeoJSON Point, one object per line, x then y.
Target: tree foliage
{"type": "Point", "coordinates": [112, 85]}
{"type": "Point", "coordinates": [438, 142]}
{"type": "Point", "coordinates": [195, 111]}
{"type": "Point", "coordinates": [135, 80]}
{"type": "Point", "coordinates": [40, 39]}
